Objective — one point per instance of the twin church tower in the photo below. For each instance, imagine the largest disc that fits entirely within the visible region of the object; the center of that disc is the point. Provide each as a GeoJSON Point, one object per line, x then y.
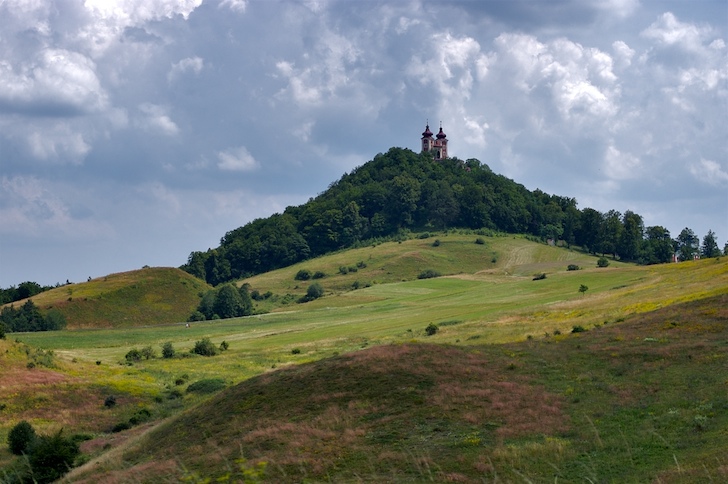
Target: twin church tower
{"type": "Point", "coordinates": [438, 145]}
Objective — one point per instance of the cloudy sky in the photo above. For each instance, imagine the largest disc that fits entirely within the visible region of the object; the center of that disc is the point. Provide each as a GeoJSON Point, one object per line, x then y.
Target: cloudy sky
{"type": "Point", "coordinates": [133, 132]}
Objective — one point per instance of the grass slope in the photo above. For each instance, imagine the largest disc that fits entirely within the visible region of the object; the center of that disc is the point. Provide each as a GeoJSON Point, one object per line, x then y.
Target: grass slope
{"type": "Point", "coordinates": [148, 296]}
{"type": "Point", "coordinates": [640, 401]}
{"type": "Point", "coordinates": [488, 296]}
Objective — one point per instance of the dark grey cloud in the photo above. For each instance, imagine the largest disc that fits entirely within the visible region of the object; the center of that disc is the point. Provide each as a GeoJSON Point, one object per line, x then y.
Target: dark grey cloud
{"type": "Point", "coordinates": [135, 136]}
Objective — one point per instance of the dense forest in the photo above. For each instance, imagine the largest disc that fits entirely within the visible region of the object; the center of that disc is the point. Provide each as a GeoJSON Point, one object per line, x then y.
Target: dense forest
{"type": "Point", "coordinates": [400, 191]}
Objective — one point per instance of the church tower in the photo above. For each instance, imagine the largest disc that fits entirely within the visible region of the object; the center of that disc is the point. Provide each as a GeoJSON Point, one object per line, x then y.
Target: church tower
{"type": "Point", "coordinates": [438, 145]}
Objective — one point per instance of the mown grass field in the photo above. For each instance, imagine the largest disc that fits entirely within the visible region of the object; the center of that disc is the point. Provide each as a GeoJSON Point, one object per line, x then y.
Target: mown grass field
{"type": "Point", "coordinates": [486, 296]}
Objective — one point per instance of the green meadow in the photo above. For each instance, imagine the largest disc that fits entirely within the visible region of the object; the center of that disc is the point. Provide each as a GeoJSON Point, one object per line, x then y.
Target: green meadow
{"type": "Point", "coordinates": [595, 388]}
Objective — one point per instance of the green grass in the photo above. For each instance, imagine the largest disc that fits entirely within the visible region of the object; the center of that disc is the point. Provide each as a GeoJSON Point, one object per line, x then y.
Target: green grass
{"type": "Point", "coordinates": [150, 296]}
{"type": "Point", "coordinates": [634, 402]}
{"type": "Point", "coordinates": [477, 302]}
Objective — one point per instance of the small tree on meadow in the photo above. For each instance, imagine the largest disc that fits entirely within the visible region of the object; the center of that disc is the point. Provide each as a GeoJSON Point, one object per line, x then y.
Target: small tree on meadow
{"type": "Point", "coordinates": [583, 289]}
{"type": "Point", "coordinates": [167, 350]}
{"type": "Point", "coordinates": [21, 438]}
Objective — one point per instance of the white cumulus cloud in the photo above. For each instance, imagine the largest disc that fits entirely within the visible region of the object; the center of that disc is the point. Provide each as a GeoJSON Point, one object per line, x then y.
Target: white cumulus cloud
{"type": "Point", "coordinates": [236, 159]}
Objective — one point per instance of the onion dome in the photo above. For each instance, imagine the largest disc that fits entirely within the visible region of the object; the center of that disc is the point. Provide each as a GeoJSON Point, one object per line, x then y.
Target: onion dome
{"type": "Point", "coordinates": [441, 135]}
{"type": "Point", "coordinates": [428, 133]}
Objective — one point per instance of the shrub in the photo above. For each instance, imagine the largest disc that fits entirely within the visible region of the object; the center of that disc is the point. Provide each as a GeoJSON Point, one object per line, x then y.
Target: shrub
{"type": "Point", "coordinates": [21, 438]}
{"type": "Point", "coordinates": [224, 346]}
{"type": "Point", "coordinates": [428, 274]}
{"type": "Point", "coordinates": [209, 385]}
{"type": "Point", "coordinates": [110, 401]}
{"type": "Point", "coordinates": [295, 351]}
{"type": "Point", "coordinates": [343, 270]}
{"type": "Point", "coordinates": [196, 316]}
{"type": "Point", "coordinates": [140, 416]}
{"type": "Point", "coordinates": [120, 427]}
{"type": "Point", "coordinates": [167, 350]}
{"type": "Point", "coordinates": [424, 235]}
{"type": "Point", "coordinates": [578, 329]}
{"type": "Point", "coordinates": [314, 291]}
{"type": "Point", "coordinates": [133, 355]}
{"type": "Point", "coordinates": [303, 275]}
{"type": "Point", "coordinates": [204, 347]}
{"type": "Point", "coordinates": [583, 289]}
{"type": "Point", "coordinates": [602, 262]}
{"type": "Point", "coordinates": [480, 241]}
{"type": "Point", "coordinates": [539, 277]}
{"type": "Point", "coordinates": [52, 456]}
{"type": "Point", "coordinates": [572, 267]}
{"type": "Point", "coordinates": [431, 329]}
{"type": "Point", "coordinates": [148, 353]}
{"type": "Point", "coordinates": [436, 243]}
{"type": "Point", "coordinates": [361, 264]}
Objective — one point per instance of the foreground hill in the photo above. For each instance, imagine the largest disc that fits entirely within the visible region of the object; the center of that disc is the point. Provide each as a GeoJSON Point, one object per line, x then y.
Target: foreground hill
{"type": "Point", "coordinates": [639, 401]}
{"type": "Point", "coordinates": [150, 296]}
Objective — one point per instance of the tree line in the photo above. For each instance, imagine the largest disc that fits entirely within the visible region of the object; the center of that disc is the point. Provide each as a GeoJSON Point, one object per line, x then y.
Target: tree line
{"type": "Point", "coordinates": [401, 191]}
{"type": "Point", "coordinates": [29, 318]}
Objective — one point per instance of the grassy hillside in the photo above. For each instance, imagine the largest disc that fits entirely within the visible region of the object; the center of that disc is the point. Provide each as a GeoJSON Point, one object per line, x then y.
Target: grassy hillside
{"type": "Point", "coordinates": [639, 401]}
{"type": "Point", "coordinates": [306, 360]}
{"type": "Point", "coordinates": [449, 253]}
{"type": "Point", "coordinates": [148, 296]}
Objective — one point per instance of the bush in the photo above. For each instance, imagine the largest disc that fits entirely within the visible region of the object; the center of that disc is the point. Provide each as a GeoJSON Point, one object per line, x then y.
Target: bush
{"type": "Point", "coordinates": [209, 385]}
{"type": "Point", "coordinates": [110, 401]}
{"type": "Point", "coordinates": [204, 347]}
{"type": "Point", "coordinates": [424, 235]}
{"type": "Point", "coordinates": [21, 438]}
{"type": "Point", "coordinates": [148, 353]}
{"type": "Point", "coordinates": [52, 456]}
{"type": "Point", "coordinates": [167, 350]}
{"type": "Point", "coordinates": [314, 291]}
{"type": "Point", "coordinates": [361, 264]}
{"type": "Point", "coordinates": [196, 316]}
{"type": "Point", "coordinates": [133, 355]}
{"type": "Point", "coordinates": [539, 277]}
{"type": "Point", "coordinates": [120, 427]}
{"type": "Point", "coordinates": [436, 243]}
{"type": "Point", "coordinates": [295, 351]}
{"type": "Point", "coordinates": [431, 329]}
{"type": "Point", "coordinates": [428, 274]}
{"type": "Point", "coordinates": [224, 346]}
{"type": "Point", "coordinates": [480, 241]}
{"type": "Point", "coordinates": [303, 275]}
{"type": "Point", "coordinates": [602, 262]}
{"type": "Point", "coordinates": [318, 275]}
{"type": "Point", "coordinates": [578, 329]}
{"type": "Point", "coordinates": [343, 270]}
{"type": "Point", "coordinates": [140, 416]}
{"type": "Point", "coordinates": [572, 267]}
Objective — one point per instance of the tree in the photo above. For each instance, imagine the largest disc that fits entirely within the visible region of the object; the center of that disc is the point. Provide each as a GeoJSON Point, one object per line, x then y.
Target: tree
{"type": "Point", "coordinates": [583, 289]}
{"type": "Point", "coordinates": [657, 247]}
{"type": "Point", "coordinates": [167, 350]}
{"type": "Point", "coordinates": [686, 244]}
{"type": "Point", "coordinates": [229, 302]}
{"type": "Point", "coordinates": [21, 437]}
{"type": "Point", "coordinates": [710, 246]}
{"type": "Point", "coordinates": [52, 456]}
{"type": "Point", "coordinates": [610, 233]}
{"type": "Point", "coordinates": [631, 237]}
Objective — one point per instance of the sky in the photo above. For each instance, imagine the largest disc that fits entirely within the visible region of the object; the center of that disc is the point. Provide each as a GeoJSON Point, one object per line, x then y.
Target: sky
{"type": "Point", "coordinates": [133, 132]}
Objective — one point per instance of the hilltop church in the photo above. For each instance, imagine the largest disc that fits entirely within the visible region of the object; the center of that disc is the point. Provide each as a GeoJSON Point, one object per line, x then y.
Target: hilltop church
{"type": "Point", "coordinates": [438, 145]}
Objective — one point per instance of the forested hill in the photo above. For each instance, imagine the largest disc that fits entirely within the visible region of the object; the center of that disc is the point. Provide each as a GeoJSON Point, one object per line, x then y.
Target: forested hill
{"type": "Point", "coordinates": [402, 190]}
